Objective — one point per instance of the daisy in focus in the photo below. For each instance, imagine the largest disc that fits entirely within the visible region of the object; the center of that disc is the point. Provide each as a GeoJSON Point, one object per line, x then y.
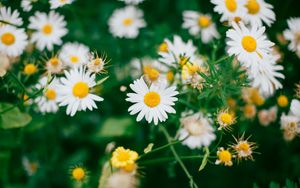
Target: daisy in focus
{"type": "Point", "coordinates": [200, 25]}
{"type": "Point", "coordinates": [59, 3]}
{"type": "Point", "coordinates": [74, 54]}
{"type": "Point", "coordinates": [126, 22]}
{"type": "Point", "coordinates": [197, 131]}
{"type": "Point", "coordinates": [152, 102]}
{"type": "Point", "coordinates": [243, 148]}
{"type": "Point", "coordinates": [10, 16]}
{"type": "Point", "coordinates": [47, 103]}
{"type": "Point", "coordinates": [249, 45]}
{"type": "Point", "coordinates": [75, 91]}
{"type": "Point", "coordinates": [225, 120]}
{"type": "Point", "coordinates": [13, 40]}
{"type": "Point", "coordinates": [224, 157]}
{"type": "Point", "coordinates": [292, 34]}
{"type": "Point", "coordinates": [231, 10]}
{"type": "Point", "coordinates": [49, 29]}
{"type": "Point", "coordinates": [259, 12]}
{"type": "Point", "coordinates": [177, 52]}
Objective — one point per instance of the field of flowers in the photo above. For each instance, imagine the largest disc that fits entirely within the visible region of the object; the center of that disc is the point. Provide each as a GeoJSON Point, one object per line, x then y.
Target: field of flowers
{"type": "Point", "coordinates": [148, 93]}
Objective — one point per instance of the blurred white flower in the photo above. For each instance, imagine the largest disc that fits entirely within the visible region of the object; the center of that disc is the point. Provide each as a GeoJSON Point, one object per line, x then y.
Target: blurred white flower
{"type": "Point", "coordinates": [197, 131]}
{"type": "Point", "coordinates": [74, 54]}
{"type": "Point", "coordinates": [132, 2]}
{"type": "Point", "coordinates": [4, 64]}
{"type": "Point", "coordinates": [292, 34]}
{"type": "Point", "coordinates": [126, 22]}
{"type": "Point", "coordinates": [74, 91]}
{"type": "Point", "coordinates": [200, 25]}
{"type": "Point", "coordinates": [54, 65]}
{"type": "Point", "coordinates": [49, 29]}
{"type": "Point", "coordinates": [10, 16]}
{"type": "Point", "coordinates": [59, 3]}
{"type": "Point", "coordinates": [26, 5]}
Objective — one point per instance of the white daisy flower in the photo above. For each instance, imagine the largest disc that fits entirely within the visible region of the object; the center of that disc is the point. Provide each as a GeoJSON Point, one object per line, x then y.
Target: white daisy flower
{"type": "Point", "coordinates": [74, 91]}
{"type": "Point", "coordinates": [292, 34]}
{"type": "Point", "coordinates": [265, 76]}
{"type": "Point", "coordinates": [96, 64]}
{"type": "Point", "coordinates": [13, 40]}
{"type": "Point", "coordinates": [26, 5]}
{"type": "Point", "coordinates": [132, 2]}
{"type": "Point", "coordinates": [258, 12]}
{"type": "Point", "coordinates": [59, 3]}
{"type": "Point", "coordinates": [295, 108]}
{"type": "Point", "coordinates": [200, 25]}
{"type": "Point", "coordinates": [54, 65]}
{"type": "Point", "coordinates": [231, 10]}
{"type": "Point", "coordinates": [11, 17]}
{"type": "Point", "coordinates": [290, 125]}
{"type": "Point", "coordinates": [197, 131]}
{"type": "Point", "coordinates": [250, 45]}
{"type": "Point", "coordinates": [47, 103]}
{"type": "Point", "coordinates": [152, 102]}
{"type": "Point", "coordinates": [126, 22]}
{"type": "Point", "coordinates": [49, 29]}
{"type": "Point", "coordinates": [74, 54]}
{"type": "Point", "coordinates": [177, 52]}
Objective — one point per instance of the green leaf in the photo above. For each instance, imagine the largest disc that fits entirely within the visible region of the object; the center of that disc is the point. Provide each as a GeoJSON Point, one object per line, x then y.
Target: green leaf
{"type": "Point", "coordinates": [205, 159]}
{"type": "Point", "coordinates": [274, 185]}
{"type": "Point", "coordinates": [116, 127]}
{"type": "Point", "coordinates": [13, 118]}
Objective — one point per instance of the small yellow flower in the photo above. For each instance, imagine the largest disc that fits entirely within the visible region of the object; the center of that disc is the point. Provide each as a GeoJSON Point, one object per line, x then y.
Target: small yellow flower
{"type": "Point", "coordinates": [30, 69]}
{"type": "Point", "coordinates": [225, 119]}
{"type": "Point", "coordinates": [282, 101]}
{"type": "Point", "coordinates": [224, 157]}
{"type": "Point", "coordinates": [78, 173]}
{"type": "Point", "coordinates": [151, 73]}
{"type": "Point", "coordinates": [122, 157]}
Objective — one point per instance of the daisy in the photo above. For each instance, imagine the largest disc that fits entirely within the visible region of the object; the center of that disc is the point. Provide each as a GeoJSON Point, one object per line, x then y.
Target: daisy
{"type": "Point", "coordinates": [132, 2]}
{"type": "Point", "coordinates": [243, 148]}
{"type": "Point", "coordinates": [11, 17]}
{"type": "Point", "coordinates": [122, 157]}
{"type": "Point", "coordinates": [126, 22]}
{"type": "Point", "coordinates": [152, 102]}
{"type": "Point", "coordinates": [250, 45]}
{"type": "Point", "coordinates": [178, 52]}
{"type": "Point", "coordinates": [258, 12]}
{"type": "Point", "coordinates": [290, 125]}
{"type": "Point", "coordinates": [30, 69]}
{"type": "Point", "coordinates": [74, 91]}
{"type": "Point", "coordinates": [224, 157]}
{"type": "Point", "coordinates": [54, 65]}
{"type": "Point", "coordinates": [292, 34]}
{"type": "Point", "coordinates": [13, 40]}
{"type": "Point", "coordinates": [225, 119]}
{"type": "Point", "coordinates": [47, 103]}
{"type": "Point", "coordinates": [96, 64]}
{"type": "Point", "coordinates": [197, 131]}
{"type": "Point", "coordinates": [200, 25]}
{"type": "Point", "coordinates": [59, 3]}
{"type": "Point", "coordinates": [26, 5]}
{"type": "Point", "coordinates": [49, 29]}
{"type": "Point", "coordinates": [74, 54]}
{"type": "Point", "coordinates": [231, 10]}
{"type": "Point", "coordinates": [78, 173]}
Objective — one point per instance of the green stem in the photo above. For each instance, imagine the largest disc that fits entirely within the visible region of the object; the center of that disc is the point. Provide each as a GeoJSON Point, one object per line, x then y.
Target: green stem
{"type": "Point", "coordinates": [221, 59]}
{"type": "Point", "coordinates": [188, 105]}
{"type": "Point", "coordinates": [169, 139]}
{"type": "Point", "coordinates": [165, 159]}
{"type": "Point", "coordinates": [17, 80]}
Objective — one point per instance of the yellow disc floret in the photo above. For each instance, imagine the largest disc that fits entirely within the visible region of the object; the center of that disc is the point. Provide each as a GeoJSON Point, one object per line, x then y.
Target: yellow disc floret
{"type": "Point", "coordinates": [78, 173]}
{"type": "Point", "coordinates": [204, 21]}
{"type": "Point", "coordinates": [127, 21]}
{"type": "Point", "coordinates": [8, 38]}
{"type": "Point", "coordinates": [231, 5]}
{"type": "Point", "coordinates": [30, 69]}
{"type": "Point", "coordinates": [152, 99]}
{"type": "Point", "coordinates": [122, 157]}
{"type": "Point", "coordinates": [252, 6]}
{"type": "Point", "coordinates": [47, 29]}
{"type": "Point", "coordinates": [282, 101]}
{"type": "Point", "coordinates": [249, 43]}
{"type": "Point", "coordinates": [50, 94]}
{"type": "Point", "coordinates": [80, 89]}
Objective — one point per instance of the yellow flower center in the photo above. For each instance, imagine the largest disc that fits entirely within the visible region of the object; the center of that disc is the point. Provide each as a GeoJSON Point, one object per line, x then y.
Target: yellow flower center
{"type": "Point", "coordinates": [127, 21]}
{"type": "Point", "coordinates": [192, 68]}
{"type": "Point", "coordinates": [252, 6]}
{"type": "Point", "coordinates": [152, 99]}
{"type": "Point", "coordinates": [231, 5]}
{"type": "Point", "coordinates": [50, 94]}
{"type": "Point", "coordinates": [47, 29]}
{"type": "Point", "coordinates": [30, 69]}
{"type": "Point", "coordinates": [130, 167]}
{"type": "Point", "coordinates": [8, 38]}
{"type": "Point", "coordinates": [226, 118]}
{"type": "Point", "coordinates": [81, 90]}
{"type": "Point", "coordinates": [124, 156]}
{"type": "Point", "coordinates": [204, 21]}
{"type": "Point", "coordinates": [74, 59]}
{"type": "Point", "coordinates": [282, 101]}
{"type": "Point", "coordinates": [225, 156]}
{"type": "Point", "coordinates": [151, 73]}
{"type": "Point", "coordinates": [249, 43]}
{"type": "Point", "coordinates": [244, 146]}
{"type": "Point", "coordinates": [170, 76]}
{"type": "Point", "coordinates": [97, 61]}
{"type": "Point", "coordinates": [78, 173]}
{"type": "Point", "coordinates": [163, 47]}
{"type": "Point", "coordinates": [54, 61]}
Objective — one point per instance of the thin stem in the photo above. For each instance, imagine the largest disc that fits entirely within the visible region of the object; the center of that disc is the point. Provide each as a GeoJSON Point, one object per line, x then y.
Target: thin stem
{"type": "Point", "coordinates": [169, 139]}
{"type": "Point", "coordinates": [221, 59]}
{"type": "Point", "coordinates": [17, 80]}
{"type": "Point", "coordinates": [165, 159]}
